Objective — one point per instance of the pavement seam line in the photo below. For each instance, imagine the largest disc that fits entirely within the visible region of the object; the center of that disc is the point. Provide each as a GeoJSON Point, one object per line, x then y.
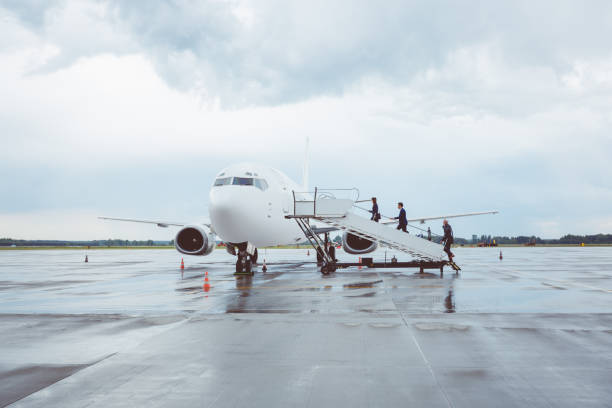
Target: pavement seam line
{"type": "Point", "coordinates": [433, 375]}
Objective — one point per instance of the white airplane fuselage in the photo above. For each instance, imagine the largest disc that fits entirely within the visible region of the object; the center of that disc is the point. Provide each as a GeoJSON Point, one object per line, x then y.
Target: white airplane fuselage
{"type": "Point", "coordinates": [249, 202]}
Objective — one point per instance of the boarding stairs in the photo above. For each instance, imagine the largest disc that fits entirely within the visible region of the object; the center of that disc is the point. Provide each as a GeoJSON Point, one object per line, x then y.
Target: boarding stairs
{"type": "Point", "coordinates": [337, 213]}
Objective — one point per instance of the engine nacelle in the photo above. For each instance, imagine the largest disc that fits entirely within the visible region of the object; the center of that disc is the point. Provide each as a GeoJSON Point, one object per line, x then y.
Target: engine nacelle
{"type": "Point", "coordinates": [355, 245]}
{"type": "Point", "coordinates": [194, 240]}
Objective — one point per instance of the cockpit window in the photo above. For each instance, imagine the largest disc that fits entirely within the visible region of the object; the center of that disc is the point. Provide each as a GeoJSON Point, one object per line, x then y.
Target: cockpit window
{"type": "Point", "coordinates": [223, 181]}
{"type": "Point", "coordinates": [243, 181]}
{"type": "Point", "coordinates": [261, 184]}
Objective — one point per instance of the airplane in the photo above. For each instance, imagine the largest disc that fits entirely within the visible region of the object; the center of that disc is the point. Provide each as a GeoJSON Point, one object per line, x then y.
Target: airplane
{"type": "Point", "coordinates": [248, 208]}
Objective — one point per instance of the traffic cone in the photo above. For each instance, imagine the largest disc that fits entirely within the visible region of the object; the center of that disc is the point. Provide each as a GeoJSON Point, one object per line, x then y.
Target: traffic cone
{"type": "Point", "coordinates": [206, 286]}
{"type": "Point", "coordinates": [182, 264]}
{"type": "Point", "coordinates": [359, 267]}
{"type": "Point", "coordinates": [264, 267]}
{"type": "Point", "coordinates": [308, 253]}
{"type": "Point", "coordinates": [500, 255]}
{"type": "Point", "coordinates": [86, 258]}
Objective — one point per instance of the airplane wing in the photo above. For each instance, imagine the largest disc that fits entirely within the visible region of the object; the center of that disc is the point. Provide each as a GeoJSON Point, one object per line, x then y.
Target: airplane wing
{"type": "Point", "coordinates": [441, 217]}
{"type": "Point", "coordinates": [162, 224]}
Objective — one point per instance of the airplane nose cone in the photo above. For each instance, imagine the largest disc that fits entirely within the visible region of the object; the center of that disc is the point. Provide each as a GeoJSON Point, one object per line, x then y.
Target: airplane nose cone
{"type": "Point", "coordinates": [234, 213]}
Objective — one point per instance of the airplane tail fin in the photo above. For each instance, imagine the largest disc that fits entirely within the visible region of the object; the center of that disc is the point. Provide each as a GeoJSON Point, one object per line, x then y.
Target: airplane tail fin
{"type": "Point", "coordinates": [305, 169]}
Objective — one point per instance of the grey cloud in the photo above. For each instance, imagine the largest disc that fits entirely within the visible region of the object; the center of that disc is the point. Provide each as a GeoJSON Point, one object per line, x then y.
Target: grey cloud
{"type": "Point", "coordinates": [290, 51]}
{"type": "Point", "coordinates": [31, 12]}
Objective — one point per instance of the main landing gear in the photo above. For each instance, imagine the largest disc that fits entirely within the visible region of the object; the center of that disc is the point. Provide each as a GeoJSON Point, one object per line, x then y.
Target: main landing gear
{"type": "Point", "coordinates": [328, 267]}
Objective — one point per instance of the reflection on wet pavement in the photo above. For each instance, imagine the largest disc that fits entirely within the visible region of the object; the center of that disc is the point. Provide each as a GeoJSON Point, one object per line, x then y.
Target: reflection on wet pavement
{"type": "Point", "coordinates": [531, 330]}
{"type": "Point", "coordinates": [361, 285]}
{"type": "Point", "coordinates": [527, 280]}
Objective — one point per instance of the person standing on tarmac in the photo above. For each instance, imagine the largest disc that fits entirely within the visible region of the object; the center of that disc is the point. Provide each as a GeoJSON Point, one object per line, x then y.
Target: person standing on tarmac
{"type": "Point", "coordinates": [429, 233]}
{"type": "Point", "coordinates": [403, 222]}
{"type": "Point", "coordinates": [375, 213]}
{"type": "Point", "coordinates": [447, 239]}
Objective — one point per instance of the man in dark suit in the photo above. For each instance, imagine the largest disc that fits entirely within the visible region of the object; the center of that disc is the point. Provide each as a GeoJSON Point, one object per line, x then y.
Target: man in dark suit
{"type": "Point", "coordinates": [447, 239]}
{"type": "Point", "coordinates": [403, 222]}
{"type": "Point", "coordinates": [374, 210]}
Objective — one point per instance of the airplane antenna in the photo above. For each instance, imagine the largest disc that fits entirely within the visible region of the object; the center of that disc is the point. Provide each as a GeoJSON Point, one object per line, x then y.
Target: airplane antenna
{"type": "Point", "coordinates": [305, 170]}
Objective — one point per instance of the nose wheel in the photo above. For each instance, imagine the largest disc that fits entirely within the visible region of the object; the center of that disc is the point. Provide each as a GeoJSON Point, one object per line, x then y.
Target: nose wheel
{"type": "Point", "coordinates": [244, 264]}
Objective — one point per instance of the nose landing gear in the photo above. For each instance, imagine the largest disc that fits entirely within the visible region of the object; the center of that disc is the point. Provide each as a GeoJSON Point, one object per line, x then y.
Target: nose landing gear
{"type": "Point", "coordinates": [244, 265]}
{"type": "Point", "coordinates": [245, 262]}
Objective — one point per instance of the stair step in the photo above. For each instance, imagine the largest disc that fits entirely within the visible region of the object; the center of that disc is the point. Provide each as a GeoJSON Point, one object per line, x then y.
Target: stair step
{"type": "Point", "coordinates": [387, 236]}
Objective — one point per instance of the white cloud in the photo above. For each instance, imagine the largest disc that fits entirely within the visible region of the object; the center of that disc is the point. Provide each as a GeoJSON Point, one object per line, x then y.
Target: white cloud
{"type": "Point", "coordinates": [594, 76]}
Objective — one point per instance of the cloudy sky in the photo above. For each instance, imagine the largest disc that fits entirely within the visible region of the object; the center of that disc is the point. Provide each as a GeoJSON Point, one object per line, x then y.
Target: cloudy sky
{"type": "Point", "coordinates": [130, 108]}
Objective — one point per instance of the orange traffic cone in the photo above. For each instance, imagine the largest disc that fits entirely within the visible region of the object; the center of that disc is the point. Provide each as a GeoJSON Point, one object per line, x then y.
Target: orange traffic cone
{"type": "Point", "coordinates": [264, 267]}
{"type": "Point", "coordinates": [500, 255]}
{"type": "Point", "coordinates": [359, 267]}
{"type": "Point", "coordinates": [182, 264]}
{"type": "Point", "coordinates": [86, 258]}
{"type": "Point", "coordinates": [206, 284]}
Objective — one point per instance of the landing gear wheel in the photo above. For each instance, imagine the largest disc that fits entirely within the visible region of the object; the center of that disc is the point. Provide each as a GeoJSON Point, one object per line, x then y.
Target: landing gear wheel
{"type": "Point", "coordinates": [244, 266]}
{"type": "Point", "coordinates": [328, 268]}
{"type": "Point", "coordinates": [332, 252]}
{"type": "Point", "coordinates": [239, 266]}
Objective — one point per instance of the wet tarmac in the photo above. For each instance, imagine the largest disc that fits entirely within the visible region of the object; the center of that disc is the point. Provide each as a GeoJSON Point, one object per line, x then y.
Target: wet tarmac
{"type": "Point", "coordinates": [129, 328]}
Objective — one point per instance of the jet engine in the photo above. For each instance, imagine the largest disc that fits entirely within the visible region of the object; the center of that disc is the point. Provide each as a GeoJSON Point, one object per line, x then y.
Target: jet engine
{"type": "Point", "coordinates": [194, 240]}
{"type": "Point", "coordinates": [355, 245]}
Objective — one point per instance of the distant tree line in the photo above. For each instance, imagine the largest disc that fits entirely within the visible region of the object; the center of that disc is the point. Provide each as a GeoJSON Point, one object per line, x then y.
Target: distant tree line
{"type": "Point", "coordinates": [98, 243]}
{"type": "Point", "coordinates": [587, 239]}
{"type": "Point", "coordinates": [519, 240]}
{"type": "Point", "coordinates": [522, 239]}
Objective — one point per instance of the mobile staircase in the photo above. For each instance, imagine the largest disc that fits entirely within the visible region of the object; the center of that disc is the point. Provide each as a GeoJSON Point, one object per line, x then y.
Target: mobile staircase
{"type": "Point", "coordinates": [336, 213]}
